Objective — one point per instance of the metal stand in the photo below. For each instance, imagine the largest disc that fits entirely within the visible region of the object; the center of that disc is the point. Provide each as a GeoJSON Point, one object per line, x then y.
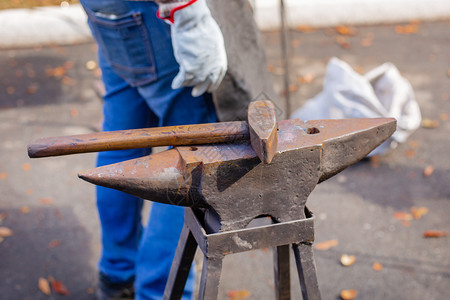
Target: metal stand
{"type": "Point", "coordinates": [298, 233]}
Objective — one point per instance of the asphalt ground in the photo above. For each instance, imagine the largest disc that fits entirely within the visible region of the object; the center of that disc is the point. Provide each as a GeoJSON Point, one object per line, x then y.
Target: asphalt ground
{"type": "Point", "coordinates": [49, 91]}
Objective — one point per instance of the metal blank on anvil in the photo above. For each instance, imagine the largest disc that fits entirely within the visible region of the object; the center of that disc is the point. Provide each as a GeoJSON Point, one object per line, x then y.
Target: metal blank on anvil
{"type": "Point", "coordinates": [232, 183]}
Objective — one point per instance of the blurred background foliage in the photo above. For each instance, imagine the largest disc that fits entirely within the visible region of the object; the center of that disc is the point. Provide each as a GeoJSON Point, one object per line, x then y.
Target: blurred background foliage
{"type": "Point", "coordinates": [6, 4]}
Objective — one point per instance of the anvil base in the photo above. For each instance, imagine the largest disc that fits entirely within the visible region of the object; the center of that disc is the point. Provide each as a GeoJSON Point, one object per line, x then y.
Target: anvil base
{"type": "Point", "coordinates": [298, 233]}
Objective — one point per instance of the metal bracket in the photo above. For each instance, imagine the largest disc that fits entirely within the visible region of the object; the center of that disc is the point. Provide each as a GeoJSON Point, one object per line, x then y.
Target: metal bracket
{"type": "Point", "coordinates": [215, 246]}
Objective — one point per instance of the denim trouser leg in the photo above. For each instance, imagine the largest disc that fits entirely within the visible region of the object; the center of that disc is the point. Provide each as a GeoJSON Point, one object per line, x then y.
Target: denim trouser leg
{"type": "Point", "coordinates": [122, 258]}
{"type": "Point", "coordinates": [136, 58]}
{"type": "Point", "coordinates": [160, 237]}
{"type": "Point", "coordinates": [120, 213]}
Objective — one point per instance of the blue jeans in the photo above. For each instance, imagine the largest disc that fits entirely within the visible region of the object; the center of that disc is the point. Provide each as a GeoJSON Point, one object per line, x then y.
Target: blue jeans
{"type": "Point", "coordinates": [137, 63]}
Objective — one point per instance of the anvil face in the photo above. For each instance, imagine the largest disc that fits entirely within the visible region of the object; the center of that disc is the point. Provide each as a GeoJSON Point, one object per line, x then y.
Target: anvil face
{"type": "Point", "coordinates": [232, 184]}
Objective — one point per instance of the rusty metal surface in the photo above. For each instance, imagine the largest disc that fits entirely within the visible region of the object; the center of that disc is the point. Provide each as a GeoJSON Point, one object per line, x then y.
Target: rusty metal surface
{"type": "Point", "coordinates": [262, 125]}
{"type": "Point", "coordinates": [234, 186]}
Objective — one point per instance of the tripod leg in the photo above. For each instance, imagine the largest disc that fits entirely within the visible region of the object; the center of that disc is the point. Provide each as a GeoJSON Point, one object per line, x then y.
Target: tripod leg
{"type": "Point", "coordinates": [306, 267]}
{"type": "Point", "coordinates": [209, 283]}
{"type": "Point", "coordinates": [282, 274]}
{"type": "Point", "coordinates": [181, 265]}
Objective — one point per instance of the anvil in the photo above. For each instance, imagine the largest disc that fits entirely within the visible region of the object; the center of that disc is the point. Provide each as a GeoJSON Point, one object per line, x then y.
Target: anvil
{"type": "Point", "coordinates": [231, 184]}
{"type": "Point", "coordinates": [259, 168]}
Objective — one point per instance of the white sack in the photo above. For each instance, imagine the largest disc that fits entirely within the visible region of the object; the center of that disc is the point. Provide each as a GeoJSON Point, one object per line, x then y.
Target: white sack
{"type": "Point", "coordinates": [382, 92]}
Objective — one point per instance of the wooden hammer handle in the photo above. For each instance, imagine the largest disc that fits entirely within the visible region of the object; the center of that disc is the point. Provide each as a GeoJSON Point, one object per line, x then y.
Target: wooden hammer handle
{"type": "Point", "coordinates": [140, 138]}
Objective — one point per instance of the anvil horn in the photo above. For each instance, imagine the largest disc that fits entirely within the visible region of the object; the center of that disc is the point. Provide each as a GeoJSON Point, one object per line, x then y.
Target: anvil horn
{"type": "Point", "coordinates": [162, 176]}
{"type": "Point", "coordinates": [184, 175]}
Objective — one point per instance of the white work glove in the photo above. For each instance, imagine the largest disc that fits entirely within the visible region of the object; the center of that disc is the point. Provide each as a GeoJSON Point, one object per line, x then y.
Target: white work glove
{"type": "Point", "coordinates": [198, 48]}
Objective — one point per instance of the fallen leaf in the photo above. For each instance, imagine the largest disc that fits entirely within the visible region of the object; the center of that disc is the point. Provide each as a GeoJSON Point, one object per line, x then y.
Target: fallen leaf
{"type": "Point", "coordinates": [57, 72]}
{"type": "Point", "coordinates": [2, 175]}
{"type": "Point", "coordinates": [430, 124]}
{"type": "Point", "coordinates": [435, 234]}
{"type": "Point", "coordinates": [90, 291]}
{"type": "Point", "coordinates": [347, 260]}
{"type": "Point", "coordinates": [367, 41]}
{"type": "Point", "coordinates": [293, 88]}
{"type": "Point", "coordinates": [307, 78]}
{"type": "Point", "coordinates": [1, 240]}
{"type": "Point", "coordinates": [58, 286]}
{"type": "Point", "coordinates": [345, 30]}
{"type": "Point", "coordinates": [418, 211]}
{"type": "Point", "coordinates": [67, 80]}
{"type": "Point", "coordinates": [377, 266]}
{"type": "Point", "coordinates": [10, 90]}
{"type": "Point", "coordinates": [29, 192]}
{"type": "Point", "coordinates": [403, 216]}
{"type": "Point", "coordinates": [3, 216]}
{"type": "Point", "coordinates": [305, 28]}
{"type": "Point", "coordinates": [32, 89]}
{"type": "Point", "coordinates": [238, 294]}
{"type": "Point", "coordinates": [24, 209]}
{"type": "Point", "coordinates": [414, 144]}
{"type": "Point", "coordinates": [407, 29]}
{"type": "Point", "coordinates": [74, 112]}
{"type": "Point", "coordinates": [26, 167]}
{"type": "Point", "coordinates": [69, 64]}
{"type": "Point", "coordinates": [54, 243]}
{"type": "Point", "coordinates": [428, 171]}
{"type": "Point", "coordinates": [342, 41]}
{"type": "Point", "coordinates": [359, 69]}
{"type": "Point", "coordinates": [46, 201]}
{"type": "Point", "coordinates": [410, 153]}
{"type": "Point", "coordinates": [44, 286]}
{"type": "Point", "coordinates": [443, 116]}
{"type": "Point", "coordinates": [406, 223]}
{"type": "Point", "coordinates": [274, 70]}
{"type": "Point", "coordinates": [59, 214]}
{"type": "Point", "coordinates": [5, 232]}
{"type": "Point", "coordinates": [326, 245]}
{"type": "Point", "coordinates": [375, 161]}
{"type": "Point", "coordinates": [98, 72]}
{"type": "Point", "coordinates": [60, 71]}
{"type": "Point", "coordinates": [348, 294]}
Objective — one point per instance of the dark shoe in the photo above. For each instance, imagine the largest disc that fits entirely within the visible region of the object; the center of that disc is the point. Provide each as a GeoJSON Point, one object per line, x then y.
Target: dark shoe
{"type": "Point", "coordinates": [108, 290]}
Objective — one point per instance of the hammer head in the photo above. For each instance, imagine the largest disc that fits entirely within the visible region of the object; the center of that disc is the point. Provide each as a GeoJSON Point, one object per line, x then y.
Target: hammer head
{"type": "Point", "coordinates": [263, 126]}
